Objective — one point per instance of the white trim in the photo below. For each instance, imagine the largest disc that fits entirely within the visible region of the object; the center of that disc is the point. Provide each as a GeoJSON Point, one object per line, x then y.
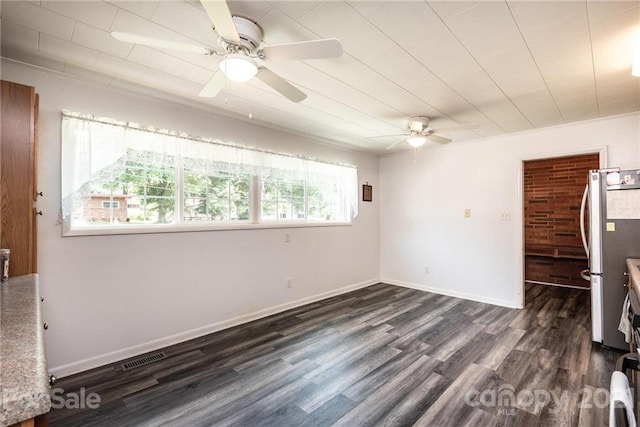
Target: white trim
{"type": "Point", "coordinates": [519, 211]}
{"type": "Point", "coordinates": [184, 228]}
{"type": "Point", "coordinates": [125, 353]}
{"type": "Point", "coordinates": [448, 292]}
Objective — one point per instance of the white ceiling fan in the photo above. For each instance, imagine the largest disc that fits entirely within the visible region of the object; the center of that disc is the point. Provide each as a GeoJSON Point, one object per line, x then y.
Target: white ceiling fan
{"type": "Point", "coordinates": [240, 40]}
{"type": "Point", "coordinates": [420, 132]}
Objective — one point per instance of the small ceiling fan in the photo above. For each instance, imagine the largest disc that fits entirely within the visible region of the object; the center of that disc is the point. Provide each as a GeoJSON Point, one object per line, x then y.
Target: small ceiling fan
{"type": "Point", "coordinates": [420, 132]}
{"type": "Point", "coordinates": [239, 40]}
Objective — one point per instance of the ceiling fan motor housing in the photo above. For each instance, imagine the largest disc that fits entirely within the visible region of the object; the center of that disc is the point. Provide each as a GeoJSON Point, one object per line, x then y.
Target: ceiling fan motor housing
{"type": "Point", "coordinates": [418, 123]}
{"type": "Point", "coordinates": [250, 33]}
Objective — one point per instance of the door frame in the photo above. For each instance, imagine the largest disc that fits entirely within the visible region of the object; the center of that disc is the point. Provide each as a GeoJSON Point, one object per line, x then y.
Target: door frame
{"type": "Point", "coordinates": [519, 214]}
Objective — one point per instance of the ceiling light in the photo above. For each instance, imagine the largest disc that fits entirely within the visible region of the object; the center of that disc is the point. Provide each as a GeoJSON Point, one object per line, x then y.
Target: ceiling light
{"type": "Point", "coordinates": [239, 68]}
{"type": "Point", "coordinates": [417, 140]}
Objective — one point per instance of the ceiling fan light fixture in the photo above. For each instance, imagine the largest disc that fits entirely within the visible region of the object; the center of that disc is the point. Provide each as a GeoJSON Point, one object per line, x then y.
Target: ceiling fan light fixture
{"type": "Point", "coordinates": [239, 68]}
{"type": "Point", "coordinates": [417, 140]}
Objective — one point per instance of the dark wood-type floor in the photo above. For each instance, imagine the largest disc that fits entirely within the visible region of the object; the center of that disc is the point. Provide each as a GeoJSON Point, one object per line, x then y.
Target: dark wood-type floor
{"type": "Point", "coordinates": [382, 355]}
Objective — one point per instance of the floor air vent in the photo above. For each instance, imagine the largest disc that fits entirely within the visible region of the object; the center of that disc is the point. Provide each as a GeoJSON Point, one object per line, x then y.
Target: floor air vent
{"type": "Point", "coordinates": [142, 361]}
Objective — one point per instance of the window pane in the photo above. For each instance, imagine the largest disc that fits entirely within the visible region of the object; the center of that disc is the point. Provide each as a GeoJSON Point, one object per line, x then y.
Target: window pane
{"type": "Point", "coordinates": [282, 200]}
{"type": "Point", "coordinates": [215, 196]}
{"type": "Point", "coordinates": [138, 192]}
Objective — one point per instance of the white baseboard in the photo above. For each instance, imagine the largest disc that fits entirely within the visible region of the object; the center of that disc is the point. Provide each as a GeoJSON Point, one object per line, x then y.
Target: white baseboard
{"type": "Point", "coordinates": [448, 292]}
{"type": "Point", "coordinates": [125, 353]}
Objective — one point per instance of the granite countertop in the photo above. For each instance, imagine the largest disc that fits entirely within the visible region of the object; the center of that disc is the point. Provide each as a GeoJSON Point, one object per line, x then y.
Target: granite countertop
{"type": "Point", "coordinates": [24, 382]}
{"type": "Point", "coordinates": [633, 267]}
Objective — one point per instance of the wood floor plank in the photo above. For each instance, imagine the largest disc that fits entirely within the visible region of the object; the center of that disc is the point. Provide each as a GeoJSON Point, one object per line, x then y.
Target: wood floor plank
{"type": "Point", "coordinates": [380, 355]}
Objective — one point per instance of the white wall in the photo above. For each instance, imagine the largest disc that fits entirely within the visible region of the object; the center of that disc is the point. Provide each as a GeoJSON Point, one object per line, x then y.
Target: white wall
{"type": "Point", "coordinates": [109, 297]}
{"type": "Point", "coordinates": [423, 197]}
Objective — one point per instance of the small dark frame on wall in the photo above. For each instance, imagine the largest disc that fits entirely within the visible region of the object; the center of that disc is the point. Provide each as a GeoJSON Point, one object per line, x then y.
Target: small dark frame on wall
{"type": "Point", "coordinates": [367, 193]}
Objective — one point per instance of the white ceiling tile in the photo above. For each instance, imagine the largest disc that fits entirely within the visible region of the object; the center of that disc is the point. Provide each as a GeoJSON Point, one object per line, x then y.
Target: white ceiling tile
{"type": "Point", "coordinates": [77, 54]}
{"type": "Point", "coordinates": [193, 73]}
{"type": "Point", "coordinates": [143, 8]}
{"type": "Point", "coordinates": [96, 14]}
{"type": "Point", "coordinates": [599, 9]}
{"type": "Point", "coordinates": [280, 28]}
{"type": "Point", "coordinates": [368, 44]}
{"type": "Point", "coordinates": [401, 58]}
{"type": "Point", "coordinates": [443, 50]}
{"type": "Point", "coordinates": [129, 23]}
{"type": "Point", "coordinates": [360, 76]}
{"type": "Point", "coordinates": [455, 68]}
{"type": "Point", "coordinates": [583, 78]}
{"type": "Point", "coordinates": [153, 59]}
{"type": "Point", "coordinates": [388, 14]}
{"type": "Point", "coordinates": [120, 67]}
{"type": "Point", "coordinates": [509, 67]}
{"type": "Point", "coordinates": [523, 88]}
{"type": "Point", "coordinates": [37, 18]}
{"type": "Point", "coordinates": [613, 41]}
{"type": "Point", "coordinates": [94, 38]}
{"type": "Point", "coordinates": [295, 9]}
{"type": "Point", "coordinates": [402, 103]}
{"type": "Point", "coordinates": [544, 34]}
{"type": "Point", "coordinates": [472, 23]}
{"type": "Point", "coordinates": [500, 40]}
{"type": "Point", "coordinates": [419, 30]}
{"type": "Point", "coordinates": [580, 113]}
{"type": "Point", "coordinates": [629, 88]}
{"type": "Point", "coordinates": [170, 83]}
{"type": "Point", "coordinates": [477, 88]}
{"type": "Point", "coordinates": [333, 19]}
{"type": "Point", "coordinates": [613, 108]}
{"type": "Point", "coordinates": [18, 36]}
{"type": "Point", "coordinates": [446, 9]}
{"type": "Point", "coordinates": [539, 13]}
{"type": "Point", "coordinates": [573, 94]}
{"type": "Point", "coordinates": [254, 10]}
{"type": "Point", "coordinates": [186, 20]}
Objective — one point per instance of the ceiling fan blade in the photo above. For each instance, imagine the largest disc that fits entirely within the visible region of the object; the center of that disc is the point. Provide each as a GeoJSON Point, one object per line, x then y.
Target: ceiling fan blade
{"type": "Point", "coordinates": [160, 43]}
{"type": "Point", "coordinates": [395, 144]}
{"type": "Point", "coordinates": [214, 86]}
{"type": "Point", "coordinates": [437, 138]}
{"type": "Point", "coordinates": [388, 136]}
{"type": "Point", "coordinates": [220, 16]}
{"type": "Point", "coordinates": [314, 49]}
{"type": "Point", "coordinates": [456, 128]}
{"type": "Point", "coordinates": [280, 85]}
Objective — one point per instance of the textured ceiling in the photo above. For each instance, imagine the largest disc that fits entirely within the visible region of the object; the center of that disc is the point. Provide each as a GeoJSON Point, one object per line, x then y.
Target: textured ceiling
{"type": "Point", "coordinates": [507, 66]}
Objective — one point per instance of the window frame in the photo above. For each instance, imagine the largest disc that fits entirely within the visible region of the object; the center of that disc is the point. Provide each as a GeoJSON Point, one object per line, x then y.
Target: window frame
{"type": "Point", "coordinates": [179, 224]}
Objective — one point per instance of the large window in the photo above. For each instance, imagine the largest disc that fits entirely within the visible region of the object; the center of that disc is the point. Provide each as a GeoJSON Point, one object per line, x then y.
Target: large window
{"type": "Point", "coordinates": [124, 178]}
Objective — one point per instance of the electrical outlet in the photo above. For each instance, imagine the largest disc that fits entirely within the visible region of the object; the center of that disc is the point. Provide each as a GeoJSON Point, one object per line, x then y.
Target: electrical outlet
{"type": "Point", "coordinates": [426, 270]}
{"type": "Point", "coordinates": [504, 216]}
{"type": "Point", "coordinates": [467, 213]}
{"type": "Point", "coordinates": [287, 237]}
{"type": "Point", "coordinates": [289, 283]}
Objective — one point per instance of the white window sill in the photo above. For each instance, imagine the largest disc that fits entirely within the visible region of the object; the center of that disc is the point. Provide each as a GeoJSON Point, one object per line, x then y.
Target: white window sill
{"type": "Point", "coordinates": [183, 228]}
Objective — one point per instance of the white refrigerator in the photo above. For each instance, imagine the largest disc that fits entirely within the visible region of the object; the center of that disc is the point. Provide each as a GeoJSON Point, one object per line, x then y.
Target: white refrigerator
{"type": "Point", "coordinates": [614, 236]}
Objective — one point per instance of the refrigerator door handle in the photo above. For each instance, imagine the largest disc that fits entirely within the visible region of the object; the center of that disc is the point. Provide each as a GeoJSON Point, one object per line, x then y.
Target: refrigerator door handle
{"type": "Point", "coordinates": [583, 206]}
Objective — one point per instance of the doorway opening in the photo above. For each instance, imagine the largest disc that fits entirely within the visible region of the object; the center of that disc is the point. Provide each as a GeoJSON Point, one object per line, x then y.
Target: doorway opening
{"type": "Point", "coordinates": [553, 188]}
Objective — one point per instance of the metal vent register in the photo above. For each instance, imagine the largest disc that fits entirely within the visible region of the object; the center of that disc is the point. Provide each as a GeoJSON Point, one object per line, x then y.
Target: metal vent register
{"type": "Point", "coordinates": [142, 361]}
